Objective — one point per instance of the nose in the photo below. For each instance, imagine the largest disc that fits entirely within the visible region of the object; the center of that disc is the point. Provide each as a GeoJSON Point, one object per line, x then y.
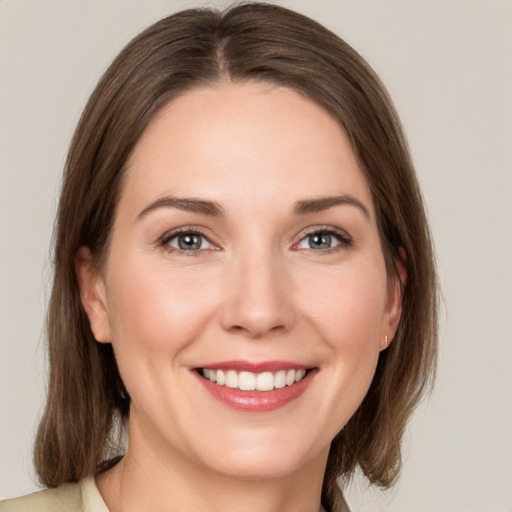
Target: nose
{"type": "Point", "coordinates": [258, 298]}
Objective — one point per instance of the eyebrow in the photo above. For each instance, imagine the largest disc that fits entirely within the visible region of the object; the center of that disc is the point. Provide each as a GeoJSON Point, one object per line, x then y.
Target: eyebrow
{"type": "Point", "coordinates": [187, 204]}
{"type": "Point", "coordinates": [324, 203]}
{"type": "Point", "coordinates": [214, 209]}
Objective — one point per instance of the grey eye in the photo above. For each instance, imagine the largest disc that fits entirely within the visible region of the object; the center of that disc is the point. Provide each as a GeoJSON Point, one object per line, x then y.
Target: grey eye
{"type": "Point", "coordinates": [188, 242]}
{"type": "Point", "coordinates": [323, 239]}
{"type": "Point", "coordinates": [320, 241]}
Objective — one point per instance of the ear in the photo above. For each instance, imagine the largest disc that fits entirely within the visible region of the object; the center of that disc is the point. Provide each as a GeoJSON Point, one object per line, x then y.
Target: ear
{"type": "Point", "coordinates": [92, 294]}
{"type": "Point", "coordinates": [396, 285]}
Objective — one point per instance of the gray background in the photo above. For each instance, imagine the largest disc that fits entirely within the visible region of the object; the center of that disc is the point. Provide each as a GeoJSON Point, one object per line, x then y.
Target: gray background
{"type": "Point", "coordinates": [447, 65]}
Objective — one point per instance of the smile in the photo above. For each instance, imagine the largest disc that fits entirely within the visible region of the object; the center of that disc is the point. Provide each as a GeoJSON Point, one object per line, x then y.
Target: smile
{"type": "Point", "coordinates": [249, 381]}
{"type": "Point", "coordinates": [255, 387]}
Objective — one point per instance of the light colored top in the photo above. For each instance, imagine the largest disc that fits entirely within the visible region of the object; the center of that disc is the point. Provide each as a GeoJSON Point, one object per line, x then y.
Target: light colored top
{"type": "Point", "coordinates": [81, 497]}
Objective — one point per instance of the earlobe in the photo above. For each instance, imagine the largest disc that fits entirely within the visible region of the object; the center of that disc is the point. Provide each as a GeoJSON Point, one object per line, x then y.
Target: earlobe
{"type": "Point", "coordinates": [395, 299]}
{"type": "Point", "coordinates": [92, 295]}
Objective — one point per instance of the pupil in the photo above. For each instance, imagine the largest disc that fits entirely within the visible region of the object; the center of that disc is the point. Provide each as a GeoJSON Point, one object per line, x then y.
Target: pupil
{"type": "Point", "coordinates": [189, 242]}
{"type": "Point", "coordinates": [320, 241]}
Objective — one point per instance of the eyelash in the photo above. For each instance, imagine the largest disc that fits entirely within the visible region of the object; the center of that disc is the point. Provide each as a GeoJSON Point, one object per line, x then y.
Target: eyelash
{"type": "Point", "coordinates": [344, 239]}
{"type": "Point", "coordinates": [166, 239]}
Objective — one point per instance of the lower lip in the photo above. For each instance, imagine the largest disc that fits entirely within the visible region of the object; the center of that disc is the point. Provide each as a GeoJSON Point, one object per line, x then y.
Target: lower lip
{"type": "Point", "coordinates": [257, 401]}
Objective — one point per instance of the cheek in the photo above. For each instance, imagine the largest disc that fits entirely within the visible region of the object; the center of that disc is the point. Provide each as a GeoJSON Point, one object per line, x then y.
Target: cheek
{"type": "Point", "coordinates": [347, 308]}
{"type": "Point", "coordinates": [154, 308]}
{"type": "Point", "coordinates": [348, 303]}
{"type": "Point", "coordinates": [155, 314]}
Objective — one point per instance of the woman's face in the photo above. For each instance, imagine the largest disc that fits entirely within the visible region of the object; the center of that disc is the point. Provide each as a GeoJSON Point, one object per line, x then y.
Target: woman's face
{"type": "Point", "coordinates": [245, 251]}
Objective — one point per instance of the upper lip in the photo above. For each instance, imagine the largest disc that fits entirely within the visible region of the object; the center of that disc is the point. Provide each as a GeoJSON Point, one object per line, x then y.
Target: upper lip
{"type": "Point", "coordinates": [254, 366]}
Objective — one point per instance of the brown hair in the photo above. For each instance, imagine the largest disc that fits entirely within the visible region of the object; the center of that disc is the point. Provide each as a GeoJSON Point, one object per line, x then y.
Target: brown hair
{"type": "Point", "coordinates": [251, 42]}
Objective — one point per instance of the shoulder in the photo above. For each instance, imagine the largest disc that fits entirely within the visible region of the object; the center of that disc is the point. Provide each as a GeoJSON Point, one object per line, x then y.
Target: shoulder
{"type": "Point", "coordinates": [65, 498]}
{"type": "Point", "coordinates": [78, 497]}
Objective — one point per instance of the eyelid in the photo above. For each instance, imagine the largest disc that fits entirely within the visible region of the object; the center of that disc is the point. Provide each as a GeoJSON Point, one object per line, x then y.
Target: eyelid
{"type": "Point", "coordinates": [163, 241]}
{"type": "Point", "coordinates": [343, 236]}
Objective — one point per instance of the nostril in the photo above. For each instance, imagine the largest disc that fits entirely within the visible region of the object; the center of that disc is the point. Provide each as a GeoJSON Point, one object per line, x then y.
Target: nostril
{"type": "Point", "coordinates": [257, 331]}
{"type": "Point", "coordinates": [257, 301]}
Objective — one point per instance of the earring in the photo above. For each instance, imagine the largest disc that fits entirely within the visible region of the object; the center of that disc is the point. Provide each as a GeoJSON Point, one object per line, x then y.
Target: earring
{"type": "Point", "coordinates": [386, 340]}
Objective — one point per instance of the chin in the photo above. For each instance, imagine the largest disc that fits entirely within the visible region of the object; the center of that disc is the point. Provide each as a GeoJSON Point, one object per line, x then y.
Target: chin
{"type": "Point", "coordinates": [259, 468]}
{"type": "Point", "coordinates": [264, 459]}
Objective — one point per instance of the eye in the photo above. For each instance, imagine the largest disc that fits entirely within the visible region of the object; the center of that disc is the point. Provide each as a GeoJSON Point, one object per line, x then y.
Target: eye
{"type": "Point", "coordinates": [324, 239]}
{"type": "Point", "coordinates": [190, 241]}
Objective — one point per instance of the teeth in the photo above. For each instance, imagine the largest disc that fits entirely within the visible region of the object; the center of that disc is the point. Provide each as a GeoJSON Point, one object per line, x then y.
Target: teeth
{"type": "Point", "coordinates": [280, 379]}
{"type": "Point", "coordinates": [265, 381]}
{"type": "Point", "coordinates": [290, 377]}
{"type": "Point", "coordinates": [299, 375]}
{"type": "Point", "coordinates": [231, 379]}
{"type": "Point", "coordinates": [248, 381]}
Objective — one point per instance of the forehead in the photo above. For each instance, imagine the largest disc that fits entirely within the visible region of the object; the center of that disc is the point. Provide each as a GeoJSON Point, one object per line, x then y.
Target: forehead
{"type": "Point", "coordinates": [258, 142]}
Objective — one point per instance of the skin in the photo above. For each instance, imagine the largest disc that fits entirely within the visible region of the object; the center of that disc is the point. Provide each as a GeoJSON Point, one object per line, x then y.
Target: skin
{"type": "Point", "coordinates": [256, 291]}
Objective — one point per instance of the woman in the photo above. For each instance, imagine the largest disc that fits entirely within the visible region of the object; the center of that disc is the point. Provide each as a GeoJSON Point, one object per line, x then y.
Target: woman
{"type": "Point", "coordinates": [243, 276]}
